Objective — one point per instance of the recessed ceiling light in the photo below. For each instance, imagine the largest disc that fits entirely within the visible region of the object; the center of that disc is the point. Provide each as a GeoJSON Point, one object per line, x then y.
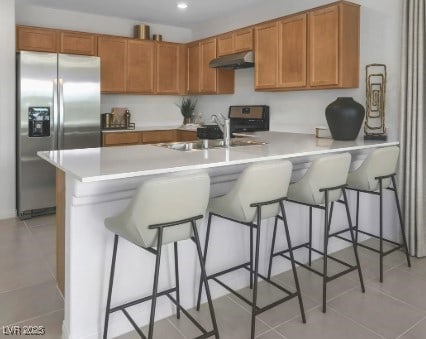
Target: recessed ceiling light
{"type": "Point", "coordinates": [182, 5]}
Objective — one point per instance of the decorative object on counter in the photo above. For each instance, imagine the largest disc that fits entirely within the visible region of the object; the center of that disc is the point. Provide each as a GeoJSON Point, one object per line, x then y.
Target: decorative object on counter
{"type": "Point", "coordinates": [322, 132]}
{"type": "Point", "coordinates": [374, 126]}
{"type": "Point", "coordinates": [119, 118]}
{"type": "Point", "coordinates": [142, 32]}
{"type": "Point", "coordinates": [157, 37]}
{"type": "Point", "coordinates": [344, 118]}
{"type": "Point", "coordinates": [187, 108]}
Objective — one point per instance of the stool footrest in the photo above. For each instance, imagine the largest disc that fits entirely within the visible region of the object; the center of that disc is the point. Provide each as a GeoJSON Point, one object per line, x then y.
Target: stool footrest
{"type": "Point", "coordinates": [141, 300]}
{"type": "Point", "coordinates": [397, 246]}
{"type": "Point", "coordinates": [247, 267]}
{"type": "Point", "coordinates": [135, 326]}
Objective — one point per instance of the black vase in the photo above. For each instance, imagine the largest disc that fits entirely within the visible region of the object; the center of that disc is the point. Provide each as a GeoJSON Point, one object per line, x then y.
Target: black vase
{"type": "Point", "coordinates": [344, 117]}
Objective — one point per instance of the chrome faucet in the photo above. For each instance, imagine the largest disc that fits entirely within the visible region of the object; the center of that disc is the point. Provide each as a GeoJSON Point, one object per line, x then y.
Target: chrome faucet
{"type": "Point", "coordinates": [225, 127]}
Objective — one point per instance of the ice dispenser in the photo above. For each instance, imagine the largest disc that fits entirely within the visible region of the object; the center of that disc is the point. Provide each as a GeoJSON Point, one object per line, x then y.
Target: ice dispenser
{"type": "Point", "coordinates": [39, 121]}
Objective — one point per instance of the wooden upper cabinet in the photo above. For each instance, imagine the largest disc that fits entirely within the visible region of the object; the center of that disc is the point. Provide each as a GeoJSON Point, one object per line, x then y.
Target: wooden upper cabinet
{"type": "Point", "coordinates": [324, 46]}
{"type": "Point", "coordinates": [266, 55]}
{"type": "Point", "coordinates": [113, 54]}
{"type": "Point", "coordinates": [243, 40]}
{"type": "Point", "coordinates": [193, 68]}
{"type": "Point", "coordinates": [208, 80]}
{"type": "Point", "coordinates": [225, 44]}
{"type": "Point", "coordinates": [292, 42]}
{"type": "Point", "coordinates": [233, 42]}
{"type": "Point", "coordinates": [36, 39]}
{"type": "Point", "coordinates": [169, 63]}
{"type": "Point", "coordinates": [334, 46]}
{"type": "Point", "coordinates": [140, 66]}
{"type": "Point", "coordinates": [77, 43]}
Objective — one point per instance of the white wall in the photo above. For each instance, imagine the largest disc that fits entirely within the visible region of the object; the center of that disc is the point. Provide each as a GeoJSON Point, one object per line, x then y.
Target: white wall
{"type": "Point", "coordinates": [7, 109]}
{"type": "Point", "coordinates": [381, 25]}
{"type": "Point", "coordinates": [146, 110]}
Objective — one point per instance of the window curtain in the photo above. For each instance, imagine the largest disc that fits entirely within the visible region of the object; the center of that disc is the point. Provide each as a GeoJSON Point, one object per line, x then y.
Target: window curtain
{"type": "Point", "coordinates": [413, 126]}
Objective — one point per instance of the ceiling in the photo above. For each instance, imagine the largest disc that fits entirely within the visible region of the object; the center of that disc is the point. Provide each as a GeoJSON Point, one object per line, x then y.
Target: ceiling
{"type": "Point", "coordinates": [152, 11]}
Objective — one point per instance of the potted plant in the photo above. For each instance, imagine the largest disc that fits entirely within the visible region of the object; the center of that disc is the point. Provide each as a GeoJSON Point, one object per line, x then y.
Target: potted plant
{"type": "Point", "coordinates": [187, 108]}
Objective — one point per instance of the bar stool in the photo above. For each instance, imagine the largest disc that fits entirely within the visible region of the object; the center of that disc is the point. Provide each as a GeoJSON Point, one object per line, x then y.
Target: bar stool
{"type": "Point", "coordinates": [376, 173]}
{"type": "Point", "coordinates": [322, 185]}
{"type": "Point", "coordinates": [164, 210]}
{"type": "Point", "coordinates": [258, 194]}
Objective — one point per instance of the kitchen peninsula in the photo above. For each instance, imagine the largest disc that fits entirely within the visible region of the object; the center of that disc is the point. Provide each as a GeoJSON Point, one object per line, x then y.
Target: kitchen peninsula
{"type": "Point", "coordinates": [99, 182]}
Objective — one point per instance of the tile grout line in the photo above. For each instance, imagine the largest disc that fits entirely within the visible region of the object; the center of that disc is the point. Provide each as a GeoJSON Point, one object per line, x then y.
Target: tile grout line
{"type": "Point", "coordinates": [40, 253]}
{"type": "Point", "coordinates": [411, 327]}
{"type": "Point", "coordinates": [36, 317]}
{"type": "Point", "coordinates": [356, 322]}
{"type": "Point", "coordinates": [397, 299]}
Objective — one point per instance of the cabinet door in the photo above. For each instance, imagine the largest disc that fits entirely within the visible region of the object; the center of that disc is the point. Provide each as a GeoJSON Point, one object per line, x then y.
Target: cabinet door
{"type": "Point", "coordinates": [208, 76]}
{"type": "Point", "coordinates": [113, 54]}
{"type": "Point", "coordinates": [140, 66]}
{"type": "Point", "coordinates": [266, 51]}
{"type": "Point", "coordinates": [324, 46]}
{"type": "Point", "coordinates": [292, 52]}
{"type": "Point", "coordinates": [243, 40]}
{"type": "Point", "coordinates": [225, 44]}
{"type": "Point", "coordinates": [121, 138]}
{"type": "Point", "coordinates": [77, 43]}
{"type": "Point", "coordinates": [36, 39]}
{"type": "Point", "coordinates": [153, 137]}
{"type": "Point", "coordinates": [186, 135]}
{"type": "Point", "coordinates": [193, 68]}
{"type": "Point", "coordinates": [168, 62]}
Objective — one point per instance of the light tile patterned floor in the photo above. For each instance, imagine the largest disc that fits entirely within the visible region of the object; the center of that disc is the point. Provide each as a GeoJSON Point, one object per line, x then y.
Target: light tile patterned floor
{"type": "Point", "coordinates": [394, 309]}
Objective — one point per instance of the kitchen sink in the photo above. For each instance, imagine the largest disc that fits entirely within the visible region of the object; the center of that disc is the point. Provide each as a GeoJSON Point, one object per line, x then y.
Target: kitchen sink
{"type": "Point", "coordinates": [210, 144]}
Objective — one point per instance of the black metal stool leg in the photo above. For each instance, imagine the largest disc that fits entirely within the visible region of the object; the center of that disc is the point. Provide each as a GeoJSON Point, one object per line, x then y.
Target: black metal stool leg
{"type": "Point", "coordinates": [324, 278]}
{"type": "Point", "coordinates": [401, 222]}
{"type": "Point", "coordinates": [310, 235]}
{"type": "Point", "coordinates": [175, 245]}
{"type": "Point", "coordinates": [381, 228]}
{"type": "Point", "coordinates": [251, 256]}
{"type": "Point", "coordinates": [272, 248]}
{"type": "Point", "coordinates": [204, 278]}
{"type": "Point", "coordinates": [256, 270]}
{"type": "Point", "coordinates": [357, 216]}
{"type": "Point", "coordinates": [155, 287]}
{"type": "Point", "coordinates": [354, 243]}
{"type": "Point", "coordinates": [111, 280]}
{"type": "Point", "coordinates": [206, 246]}
{"type": "Point", "coordinates": [293, 265]}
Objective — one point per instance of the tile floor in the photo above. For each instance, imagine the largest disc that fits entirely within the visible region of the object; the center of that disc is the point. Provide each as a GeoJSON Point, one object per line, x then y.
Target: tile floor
{"type": "Point", "coordinates": [394, 309]}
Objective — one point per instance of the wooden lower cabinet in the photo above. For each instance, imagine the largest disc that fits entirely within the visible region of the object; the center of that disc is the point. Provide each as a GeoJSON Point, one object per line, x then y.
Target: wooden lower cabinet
{"type": "Point", "coordinates": [154, 137]}
{"type": "Point", "coordinates": [186, 135]}
{"type": "Point", "coordinates": [147, 137]}
{"type": "Point", "coordinates": [121, 138]}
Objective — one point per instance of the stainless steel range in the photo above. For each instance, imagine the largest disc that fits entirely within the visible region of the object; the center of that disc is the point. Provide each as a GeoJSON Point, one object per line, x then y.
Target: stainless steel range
{"type": "Point", "coordinates": [249, 118]}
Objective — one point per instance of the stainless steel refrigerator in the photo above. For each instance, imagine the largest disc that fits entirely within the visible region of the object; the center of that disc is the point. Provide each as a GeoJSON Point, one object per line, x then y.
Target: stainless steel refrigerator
{"type": "Point", "coordinates": [58, 107]}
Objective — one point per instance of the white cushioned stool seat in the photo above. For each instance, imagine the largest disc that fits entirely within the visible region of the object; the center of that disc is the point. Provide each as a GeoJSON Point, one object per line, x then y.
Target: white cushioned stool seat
{"type": "Point", "coordinates": [326, 172]}
{"type": "Point", "coordinates": [160, 200]}
{"type": "Point", "coordinates": [259, 182]}
{"type": "Point", "coordinates": [380, 162]}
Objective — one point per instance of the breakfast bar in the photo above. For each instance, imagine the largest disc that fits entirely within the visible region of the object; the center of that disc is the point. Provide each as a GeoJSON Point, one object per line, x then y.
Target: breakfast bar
{"type": "Point", "coordinates": [96, 183]}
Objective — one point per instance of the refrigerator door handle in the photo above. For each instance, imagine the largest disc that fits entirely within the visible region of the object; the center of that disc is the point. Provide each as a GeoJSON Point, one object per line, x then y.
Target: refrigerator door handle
{"type": "Point", "coordinates": [61, 115]}
{"type": "Point", "coordinates": [55, 117]}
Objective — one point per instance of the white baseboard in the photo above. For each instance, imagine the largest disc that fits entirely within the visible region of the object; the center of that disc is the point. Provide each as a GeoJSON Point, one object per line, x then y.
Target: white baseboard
{"type": "Point", "coordinates": [7, 214]}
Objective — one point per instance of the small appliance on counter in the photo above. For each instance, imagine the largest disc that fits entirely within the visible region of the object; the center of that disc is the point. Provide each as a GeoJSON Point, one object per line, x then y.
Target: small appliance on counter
{"type": "Point", "coordinates": [209, 132]}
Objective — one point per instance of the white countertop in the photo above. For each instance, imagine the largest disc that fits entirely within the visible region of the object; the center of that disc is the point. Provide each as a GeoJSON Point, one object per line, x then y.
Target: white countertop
{"type": "Point", "coordinates": [107, 163]}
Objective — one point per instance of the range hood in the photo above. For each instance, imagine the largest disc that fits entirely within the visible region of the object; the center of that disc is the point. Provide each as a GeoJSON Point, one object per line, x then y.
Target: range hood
{"type": "Point", "coordinates": [234, 61]}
